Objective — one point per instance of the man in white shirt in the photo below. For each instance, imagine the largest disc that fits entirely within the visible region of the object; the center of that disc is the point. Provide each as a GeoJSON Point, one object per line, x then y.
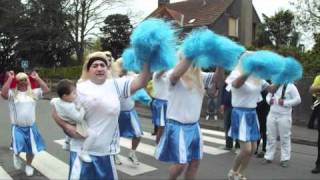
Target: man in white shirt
{"type": "Point", "coordinates": [280, 120]}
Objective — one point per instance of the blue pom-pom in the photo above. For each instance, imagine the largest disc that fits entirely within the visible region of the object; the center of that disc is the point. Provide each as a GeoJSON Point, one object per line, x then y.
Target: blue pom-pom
{"type": "Point", "coordinates": [129, 60]}
{"type": "Point", "coordinates": [263, 64]}
{"type": "Point", "coordinates": [154, 41]}
{"type": "Point", "coordinates": [292, 71]}
{"type": "Point", "coordinates": [206, 49]}
{"type": "Point", "coordinates": [142, 96]}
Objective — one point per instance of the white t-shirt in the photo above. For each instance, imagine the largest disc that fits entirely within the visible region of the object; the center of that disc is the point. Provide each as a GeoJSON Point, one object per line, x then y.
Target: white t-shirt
{"type": "Point", "coordinates": [184, 104]}
{"type": "Point", "coordinates": [126, 104]}
{"type": "Point", "coordinates": [291, 98]}
{"type": "Point", "coordinates": [102, 105]}
{"type": "Point", "coordinates": [68, 111]}
{"type": "Point", "coordinates": [22, 107]}
{"type": "Point", "coordinates": [160, 86]}
{"type": "Point", "coordinates": [249, 94]}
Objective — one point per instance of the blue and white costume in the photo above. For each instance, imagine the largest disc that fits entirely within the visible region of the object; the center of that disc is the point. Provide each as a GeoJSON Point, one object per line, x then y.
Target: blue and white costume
{"type": "Point", "coordinates": [182, 141]}
{"type": "Point", "coordinates": [279, 121]}
{"type": "Point", "coordinates": [159, 104]}
{"type": "Point", "coordinates": [129, 122]}
{"type": "Point", "coordinates": [103, 108]}
{"type": "Point", "coordinates": [244, 120]}
{"type": "Point", "coordinates": [25, 134]}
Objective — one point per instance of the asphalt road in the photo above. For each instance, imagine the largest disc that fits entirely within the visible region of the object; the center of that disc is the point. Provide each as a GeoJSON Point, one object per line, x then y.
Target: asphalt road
{"type": "Point", "coordinates": [215, 164]}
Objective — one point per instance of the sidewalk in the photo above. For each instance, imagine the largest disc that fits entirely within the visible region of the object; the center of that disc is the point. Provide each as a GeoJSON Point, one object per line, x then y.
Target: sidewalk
{"type": "Point", "coordinates": [300, 135]}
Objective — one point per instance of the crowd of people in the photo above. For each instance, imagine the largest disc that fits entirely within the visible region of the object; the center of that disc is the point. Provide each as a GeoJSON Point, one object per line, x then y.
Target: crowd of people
{"type": "Point", "coordinates": [99, 109]}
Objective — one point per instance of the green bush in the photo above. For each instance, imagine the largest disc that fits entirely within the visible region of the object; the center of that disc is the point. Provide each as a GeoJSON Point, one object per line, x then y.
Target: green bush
{"type": "Point", "coordinates": [73, 72]}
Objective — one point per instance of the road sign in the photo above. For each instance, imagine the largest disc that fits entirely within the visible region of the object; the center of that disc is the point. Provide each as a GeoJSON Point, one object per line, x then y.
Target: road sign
{"type": "Point", "coordinates": [24, 64]}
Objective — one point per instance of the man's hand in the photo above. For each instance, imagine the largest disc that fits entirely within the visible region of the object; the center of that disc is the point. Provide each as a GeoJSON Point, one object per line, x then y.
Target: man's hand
{"type": "Point", "coordinates": [71, 130]}
{"type": "Point", "coordinates": [272, 101]}
{"type": "Point", "coordinates": [280, 102]}
{"type": "Point", "coordinates": [34, 75]}
{"type": "Point", "coordinates": [10, 74]}
{"type": "Point", "coordinates": [221, 109]}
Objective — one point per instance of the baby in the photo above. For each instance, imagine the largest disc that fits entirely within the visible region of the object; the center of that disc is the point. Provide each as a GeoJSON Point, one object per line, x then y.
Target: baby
{"type": "Point", "coordinates": [72, 112]}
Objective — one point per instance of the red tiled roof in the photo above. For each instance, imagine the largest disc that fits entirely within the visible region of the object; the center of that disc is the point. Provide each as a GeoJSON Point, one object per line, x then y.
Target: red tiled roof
{"type": "Point", "coordinates": [195, 9]}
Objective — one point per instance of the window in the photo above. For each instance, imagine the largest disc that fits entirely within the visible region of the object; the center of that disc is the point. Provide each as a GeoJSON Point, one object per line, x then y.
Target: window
{"type": "Point", "coordinates": [233, 27]}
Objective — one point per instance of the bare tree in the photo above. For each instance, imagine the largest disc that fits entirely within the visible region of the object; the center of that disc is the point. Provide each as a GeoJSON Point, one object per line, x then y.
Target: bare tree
{"type": "Point", "coordinates": [308, 14]}
{"type": "Point", "coordinates": [84, 17]}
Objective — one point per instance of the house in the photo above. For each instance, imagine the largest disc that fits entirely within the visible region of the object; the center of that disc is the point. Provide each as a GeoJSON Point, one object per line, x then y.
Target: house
{"type": "Point", "coordinates": [236, 19]}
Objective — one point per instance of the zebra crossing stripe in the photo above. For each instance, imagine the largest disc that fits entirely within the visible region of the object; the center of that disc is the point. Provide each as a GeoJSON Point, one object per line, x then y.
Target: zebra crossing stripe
{"type": "Point", "coordinates": [142, 148]}
{"type": "Point", "coordinates": [49, 166]}
{"type": "Point", "coordinates": [4, 174]}
{"type": "Point", "coordinates": [206, 149]}
{"type": "Point", "coordinates": [212, 132]}
{"type": "Point", "coordinates": [133, 170]}
{"type": "Point", "coordinates": [126, 167]}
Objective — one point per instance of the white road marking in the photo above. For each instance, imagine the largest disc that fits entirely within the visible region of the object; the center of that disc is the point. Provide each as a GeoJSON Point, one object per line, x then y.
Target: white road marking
{"type": "Point", "coordinates": [49, 166]}
{"type": "Point", "coordinates": [213, 132]}
{"type": "Point", "coordinates": [4, 174]}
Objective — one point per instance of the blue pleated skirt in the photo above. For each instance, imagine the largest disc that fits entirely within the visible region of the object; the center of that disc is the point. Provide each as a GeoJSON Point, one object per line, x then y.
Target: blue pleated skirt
{"type": "Point", "coordinates": [101, 168]}
{"type": "Point", "coordinates": [26, 139]}
{"type": "Point", "coordinates": [244, 124]}
{"type": "Point", "coordinates": [159, 110]}
{"type": "Point", "coordinates": [129, 124]}
{"type": "Point", "coordinates": [180, 143]}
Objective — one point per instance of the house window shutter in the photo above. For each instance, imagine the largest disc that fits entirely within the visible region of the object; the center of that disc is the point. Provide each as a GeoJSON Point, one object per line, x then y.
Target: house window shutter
{"type": "Point", "coordinates": [233, 27]}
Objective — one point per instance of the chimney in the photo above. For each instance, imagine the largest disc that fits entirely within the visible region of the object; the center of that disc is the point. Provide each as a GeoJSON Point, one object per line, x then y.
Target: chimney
{"type": "Point", "coordinates": [245, 28]}
{"type": "Point", "coordinates": [163, 2]}
{"type": "Point", "coordinates": [204, 2]}
{"type": "Point", "coordinates": [181, 20]}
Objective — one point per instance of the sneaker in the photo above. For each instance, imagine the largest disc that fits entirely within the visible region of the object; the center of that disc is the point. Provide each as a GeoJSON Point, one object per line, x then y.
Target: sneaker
{"type": "Point", "coordinates": [207, 117]}
{"type": "Point", "coordinates": [266, 161]}
{"type": "Point", "coordinates": [239, 177]}
{"type": "Point", "coordinates": [17, 162]}
{"type": "Point", "coordinates": [133, 158]}
{"type": "Point", "coordinates": [215, 118]}
{"type": "Point", "coordinates": [260, 154]}
{"type": "Point", "coordinates": [316, 170]}
{"type": "Point", "coordinates": [284, 164]}
{"type": "Point", "coordinates": [117, 160]}
{"type": "Point", "coordinates": [85, 157]}
{"type": "Point", "coordinates": [231, 174]}
{"type": "Point", "coordinates": [29, 170]}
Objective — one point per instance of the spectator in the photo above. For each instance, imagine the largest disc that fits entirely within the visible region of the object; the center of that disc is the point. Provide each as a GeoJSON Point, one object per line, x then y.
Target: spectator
{"type": "Point", "coordinates": [315, 89]}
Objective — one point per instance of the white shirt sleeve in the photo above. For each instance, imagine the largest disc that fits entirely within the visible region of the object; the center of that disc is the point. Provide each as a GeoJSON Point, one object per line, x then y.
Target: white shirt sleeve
{"type": "Point", "coordinates": [37, 92]}
{"type": "Point", "coordinates": [123, 86]}
{"type": "Point", "coordinates": [10, 94]}
{"type": "Point", "coordinates": [293, 96]}
{"type": "Point", "coordinates": [232, 76]}
{"type": "Point", "coordinates": [265, 85]}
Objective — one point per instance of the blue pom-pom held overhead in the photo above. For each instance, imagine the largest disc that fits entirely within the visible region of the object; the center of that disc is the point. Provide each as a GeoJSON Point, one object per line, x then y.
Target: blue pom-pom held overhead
{"type": "Point", "coordinates": [292, 71]}
{"type": "Point", "coordinates": [206, 49]}
{"type": "Point", "coordinates": [263, 64]}
{"type": "Point", "coordinates": [154, 41]}
{"type": "Point", "coordinates": [129, 60]}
